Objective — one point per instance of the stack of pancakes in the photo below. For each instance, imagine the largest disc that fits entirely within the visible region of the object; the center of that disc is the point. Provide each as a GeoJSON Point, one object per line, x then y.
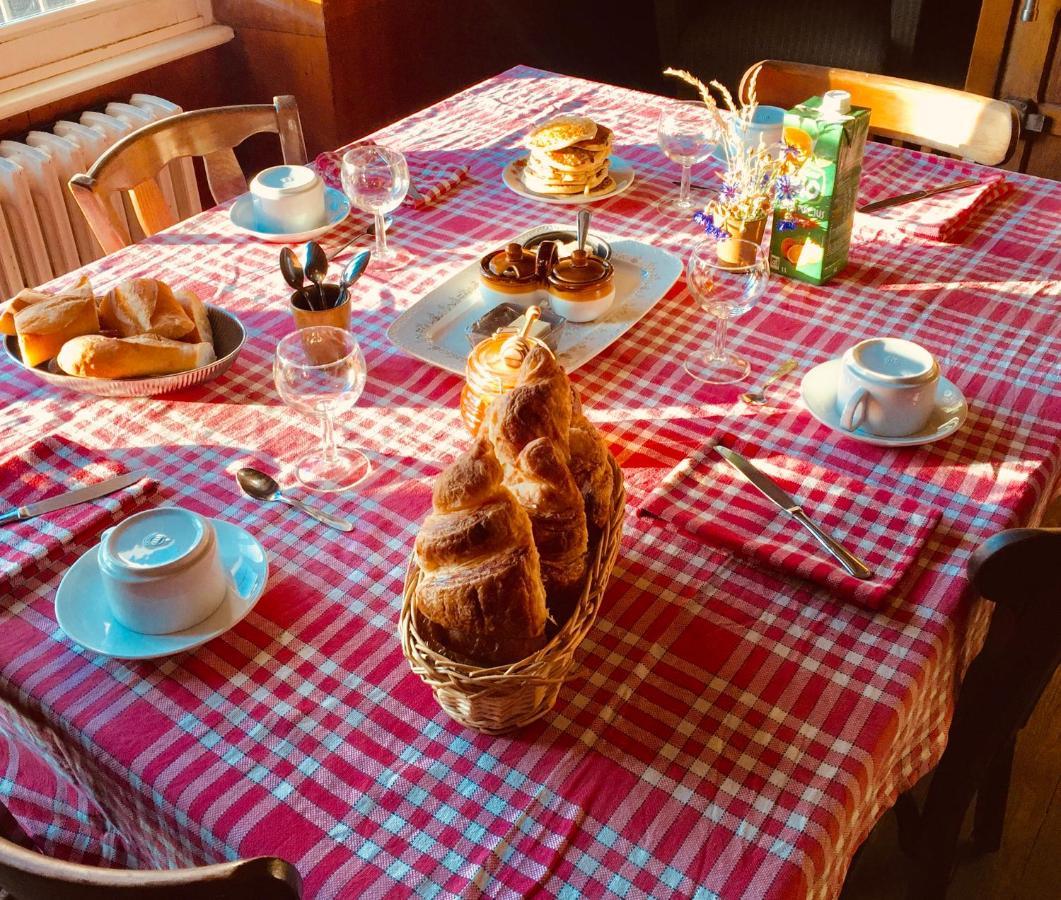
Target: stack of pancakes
{"type": "Point", "coordinates": [568, 155]}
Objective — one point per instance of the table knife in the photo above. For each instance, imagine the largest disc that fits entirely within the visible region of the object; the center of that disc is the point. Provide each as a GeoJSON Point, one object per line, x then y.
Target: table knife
{"type": "Point", "coordinates": [70, 498]}
{"type": "Point", "coordinates": [789, 504]}
{"type": "Point", "coordinates": [916, 195]}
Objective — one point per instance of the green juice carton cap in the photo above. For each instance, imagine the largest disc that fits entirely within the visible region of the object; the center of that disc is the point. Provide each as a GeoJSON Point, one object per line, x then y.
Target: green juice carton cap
{"type": "Point", "coordinates": [825, 138]}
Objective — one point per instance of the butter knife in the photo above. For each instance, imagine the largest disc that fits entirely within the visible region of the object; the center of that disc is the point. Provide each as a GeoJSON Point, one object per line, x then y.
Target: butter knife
{"type": "Point", "coordinates": [773, 492]}
{"type": "Point", "coordinates": [916, 195]}
{"type": "Point", "coordinates": [71, 498]}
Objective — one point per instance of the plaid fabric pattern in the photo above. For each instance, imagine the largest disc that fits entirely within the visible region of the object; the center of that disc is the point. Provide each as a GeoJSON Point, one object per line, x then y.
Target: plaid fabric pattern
{"type": "Point", "coordinates": [941, 217]}
{"type": "Point", "coordinates": [46, 468]}
{"type": "Point", "coordinates": [731, 732]}
{"type": "Point", "coordinates": [705, 497]}
{"type": "Point", "coordinates": [432, 179]}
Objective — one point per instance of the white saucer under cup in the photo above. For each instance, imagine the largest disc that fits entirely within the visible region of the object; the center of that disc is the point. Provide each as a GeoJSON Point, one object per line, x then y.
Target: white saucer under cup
{"type": "Point", "coordinates": [818, 391]}
{"type": "Point", "coordinates": [84, 615]}
{"type": "Point", "coordinates": [243, 217]}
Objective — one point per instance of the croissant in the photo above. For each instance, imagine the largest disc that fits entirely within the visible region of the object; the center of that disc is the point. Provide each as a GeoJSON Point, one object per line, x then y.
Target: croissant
{"type": "Point", "coordinates": [480, 594]}
{"type": "Point", "coordinates": [529, 428]}
{"type": "Point", "coordinates": [589, 465]}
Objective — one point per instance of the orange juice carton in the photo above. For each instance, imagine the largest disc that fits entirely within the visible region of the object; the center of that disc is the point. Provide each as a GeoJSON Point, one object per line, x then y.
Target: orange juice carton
{"type": "Point", "coordinates": [814, 209]}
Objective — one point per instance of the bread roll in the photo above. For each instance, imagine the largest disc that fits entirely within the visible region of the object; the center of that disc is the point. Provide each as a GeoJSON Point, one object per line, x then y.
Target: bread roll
{"type": "Point", "coordinates": [46, 325]}
{"type": "Point", "coordinates": [127, 309]}
{"type": "Point", "coordinates": [196, 310]}
{"type": "Point", "coordinates": [480, 595]}
{"type": "Point", "coordinates": [96, 356]}
{"type": "Point", "coordinates": [27, 297]}
{"type": "Point", "coordinates": [168, 319]}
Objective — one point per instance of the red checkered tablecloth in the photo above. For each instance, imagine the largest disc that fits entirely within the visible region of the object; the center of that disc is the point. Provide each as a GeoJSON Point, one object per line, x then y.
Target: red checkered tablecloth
{"type": "Point", "coordinates": [731, 732]}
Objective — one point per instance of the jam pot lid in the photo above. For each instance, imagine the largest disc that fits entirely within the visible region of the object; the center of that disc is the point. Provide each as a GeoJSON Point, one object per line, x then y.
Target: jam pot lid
{"type": "Point", "coordinates": [511, 264]}
{"type": "Point", "coordinates": [580, 269]}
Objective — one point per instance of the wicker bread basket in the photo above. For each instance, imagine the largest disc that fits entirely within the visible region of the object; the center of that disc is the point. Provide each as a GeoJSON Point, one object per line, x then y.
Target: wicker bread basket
{"type": "Point", "coordinates": [503, 698]}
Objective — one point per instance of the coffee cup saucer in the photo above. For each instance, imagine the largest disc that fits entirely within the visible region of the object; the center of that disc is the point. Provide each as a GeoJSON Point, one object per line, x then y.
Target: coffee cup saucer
{"type": "Point", "coordinates": [242, 215]}
{"type": "Point", "coordinates": [818, 392]}
{"type": "Point", "coordinates": [84, 616]}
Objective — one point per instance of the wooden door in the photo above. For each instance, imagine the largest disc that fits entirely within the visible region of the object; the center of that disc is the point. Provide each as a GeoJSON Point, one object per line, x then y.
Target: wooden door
{"type": "Point", "coordinates": [1017, 57]}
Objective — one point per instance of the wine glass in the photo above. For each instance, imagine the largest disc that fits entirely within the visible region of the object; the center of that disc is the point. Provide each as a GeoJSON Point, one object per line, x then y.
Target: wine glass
{"type": "Point", "coordinates": [687, 134]}
{"type": "Point", "coordinates": [725, 290]}
{"type": "Point", "coordinates": [376, 180]}
{"type": "Point", "coordinates": [321, 371]}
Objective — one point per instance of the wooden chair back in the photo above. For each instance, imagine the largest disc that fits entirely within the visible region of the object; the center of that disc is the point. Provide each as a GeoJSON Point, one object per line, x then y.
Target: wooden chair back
{"type": "Point", "coordinates": [133, 163]}
{"type": "Point", "coordinates": [28, 875]}
{"type": "Point", "coordinates": [927, 116]}
{"type": "Point", "coordinates": [1019, 571]}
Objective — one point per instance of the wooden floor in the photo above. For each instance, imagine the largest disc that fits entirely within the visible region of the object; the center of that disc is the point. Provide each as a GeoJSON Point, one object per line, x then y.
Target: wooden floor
{"type": "Point", "coordinates": [1028, 866]}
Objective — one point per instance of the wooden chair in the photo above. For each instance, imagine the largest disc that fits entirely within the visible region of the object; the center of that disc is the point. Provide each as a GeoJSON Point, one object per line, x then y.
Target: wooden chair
{"type": "Point", "coordinates": [929, 117]}
{"type": "Point", "coordinates": [1017, 570]}
{"type": "Point", "coordinates": [28, 875]}
{"type": "Point", "coordinates": [133, 163]}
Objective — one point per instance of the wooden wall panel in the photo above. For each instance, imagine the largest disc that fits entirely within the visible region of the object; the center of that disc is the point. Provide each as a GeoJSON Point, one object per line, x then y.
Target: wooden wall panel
{"type": "Point", "coordinates": [193, 82]}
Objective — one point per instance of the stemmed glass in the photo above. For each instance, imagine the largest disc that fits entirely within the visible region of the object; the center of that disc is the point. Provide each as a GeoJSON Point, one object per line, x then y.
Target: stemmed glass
{"type": "Point", "coordinates": [376, 180]}
{"type": "Point", "coordinates": [725, 290]}
{"type": "Point", "coordinates": [321, 371]}
{"type": "Point", "coordinates": [687, 134]}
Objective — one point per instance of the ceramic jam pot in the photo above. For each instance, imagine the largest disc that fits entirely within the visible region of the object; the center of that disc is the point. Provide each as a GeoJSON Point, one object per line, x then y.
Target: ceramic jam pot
{"type": "Point", "coordinates": [581, 287]}
{"type": "Point", "coordinates": [161, 570]}
{"type": "Point", "coordinates": [510, 275]}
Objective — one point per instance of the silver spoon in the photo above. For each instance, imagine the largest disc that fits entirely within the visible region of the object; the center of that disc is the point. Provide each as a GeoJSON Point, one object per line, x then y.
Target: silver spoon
{"type": "Point", "coordinates": [758, 398]}
{"type": "Point", "coordinates": [291, 269]}
{"type": "Point", "coordinates": [352, 271]}
{"type": "Point", "coordinates": [256, 484]}
{"type": "Point", "coordinates": [582, 228]}
{"type": "Point", "coordinates": [368, 231]}
{"type": "Point", "coordinates": [315, 265]}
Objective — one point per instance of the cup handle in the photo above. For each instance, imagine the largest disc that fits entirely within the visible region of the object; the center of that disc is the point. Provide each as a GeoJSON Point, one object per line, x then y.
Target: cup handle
{"type": "Point", "coordinates": [856, 403]}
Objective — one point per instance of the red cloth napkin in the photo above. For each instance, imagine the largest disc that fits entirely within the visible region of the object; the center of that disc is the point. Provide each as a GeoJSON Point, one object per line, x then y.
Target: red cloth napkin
{"type": "Point", "coordinates": [941, 217]}
{"type": "Point", "coordinates": [431, 178]}
{"type": "Point", "coordinates": [45, 468]}
{"type": "Point", "coordinates": [707, 498]}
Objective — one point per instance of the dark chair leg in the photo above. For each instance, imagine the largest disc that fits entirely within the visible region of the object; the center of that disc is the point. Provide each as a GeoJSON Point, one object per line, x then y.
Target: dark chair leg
{"type": "Point", "coordinates": [909, 818]}
{"type": "Point", "coordinates": [990, 815]}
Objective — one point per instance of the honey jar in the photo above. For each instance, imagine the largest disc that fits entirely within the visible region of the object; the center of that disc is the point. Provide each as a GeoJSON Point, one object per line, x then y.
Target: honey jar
{"type": "Point", "coordinates": [493, 366]}
{"type": "Point", "coordinates": [514, 274]}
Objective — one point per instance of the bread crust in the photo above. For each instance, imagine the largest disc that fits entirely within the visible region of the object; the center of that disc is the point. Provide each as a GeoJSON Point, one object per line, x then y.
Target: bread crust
{"type": "Point", "coordinates": [140, 356]}
{"type": "Point", "coordinates": [480, 596]}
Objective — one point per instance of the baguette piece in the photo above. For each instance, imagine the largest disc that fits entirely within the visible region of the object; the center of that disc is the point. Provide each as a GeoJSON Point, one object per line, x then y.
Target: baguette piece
{"type": "Point", "coordinates": [140, 356]}
{"type": "Point", "coordinates": [169, 320]}
{"type": "Point", "coordinates": [46, 325]}
{"type": "Point", "coordinates": [127, 308]}
{"type": "Point", "coordinates": [28, 297]}
{"type": "Point", "coordinates": [196, 310]}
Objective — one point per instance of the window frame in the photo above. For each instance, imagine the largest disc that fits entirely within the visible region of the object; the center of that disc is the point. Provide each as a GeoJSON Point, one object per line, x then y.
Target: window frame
{"type": "Point", "coordinates": [55, 54]}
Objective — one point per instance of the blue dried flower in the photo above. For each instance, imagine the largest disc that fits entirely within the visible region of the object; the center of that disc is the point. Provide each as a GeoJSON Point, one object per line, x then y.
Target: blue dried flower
{"type": "Point", "coordinates": [791, 151]}
{"type": "Point", "coordinates": [710, 228]}
{"type": "Point", "coordinates": [786, 188]}
{"type": "Point", "coordinates": [729, 192]}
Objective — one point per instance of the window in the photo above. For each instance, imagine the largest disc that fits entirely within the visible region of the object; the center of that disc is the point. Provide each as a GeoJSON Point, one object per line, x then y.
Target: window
{"type": "Point", "coordinates": [13, 10]}
{"type": "Point", "coordinates": [50, 49]}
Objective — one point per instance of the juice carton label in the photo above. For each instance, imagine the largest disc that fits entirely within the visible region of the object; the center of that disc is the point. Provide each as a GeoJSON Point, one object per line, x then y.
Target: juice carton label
{"type": "Point", "coordinates": [812, 230]}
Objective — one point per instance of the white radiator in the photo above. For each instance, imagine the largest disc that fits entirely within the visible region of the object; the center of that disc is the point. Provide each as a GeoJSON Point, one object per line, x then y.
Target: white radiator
{"type": "Point", "coordinates": [42, 231]}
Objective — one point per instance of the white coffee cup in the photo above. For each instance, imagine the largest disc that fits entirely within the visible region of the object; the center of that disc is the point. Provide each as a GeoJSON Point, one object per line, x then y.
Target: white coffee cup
{"type": "Point", "coordinates": [766, 127]}
{"type": "Point", "coordinates": [887, 386]}
{"type": "Point", "coordinates": [161, 570]}
{"type": "Point", "coordinates": [288, 199]}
